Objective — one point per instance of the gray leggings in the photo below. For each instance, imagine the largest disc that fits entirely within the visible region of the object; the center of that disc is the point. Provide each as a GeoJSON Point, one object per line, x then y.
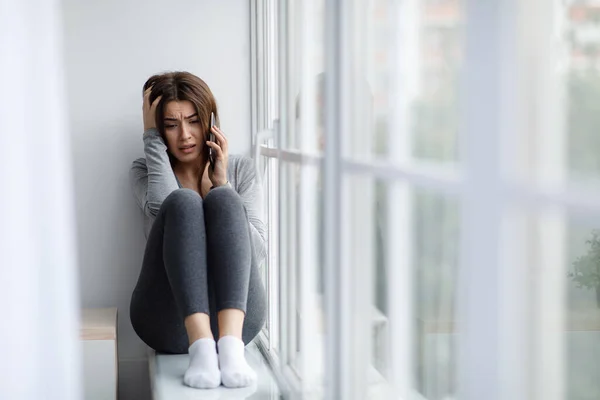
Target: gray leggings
{"type": "Point", "coordinates": [198, 258]}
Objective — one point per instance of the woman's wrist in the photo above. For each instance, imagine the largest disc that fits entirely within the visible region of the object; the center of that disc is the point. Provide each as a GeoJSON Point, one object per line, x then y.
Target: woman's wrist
{"type": "Point", "coordinates": [224, 184]}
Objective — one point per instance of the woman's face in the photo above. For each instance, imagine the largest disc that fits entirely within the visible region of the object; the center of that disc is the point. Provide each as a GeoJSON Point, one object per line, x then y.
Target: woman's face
{"type": "Point", "coordinates": [185, 138]}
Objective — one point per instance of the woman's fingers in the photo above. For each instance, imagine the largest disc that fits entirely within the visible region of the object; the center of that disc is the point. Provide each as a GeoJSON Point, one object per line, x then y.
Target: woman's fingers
{"type": "Point", "coordinates": [156, 101]}
{"type": "Point", "coordinates": [219, 132]}
{"type": "Point", "coordinates": [220, 136]}
{"type": "Point", "coordinates": [147, 96]}
{"type": "Point", "coordinates": [146, 104]}
{"type": "Point", "coordinates": [216, 148]}
{"type": "Point", "coordinates": [149, 110]}
{"type": "Point", "coordinates": [219, 147]}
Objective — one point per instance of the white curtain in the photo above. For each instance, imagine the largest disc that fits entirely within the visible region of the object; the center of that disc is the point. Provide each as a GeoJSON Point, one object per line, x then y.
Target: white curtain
{"type": "Point", "coordinates": [39, 347]}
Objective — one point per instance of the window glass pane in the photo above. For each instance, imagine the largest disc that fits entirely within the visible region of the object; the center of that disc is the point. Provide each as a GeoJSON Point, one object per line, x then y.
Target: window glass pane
{"type": "Point", "coordinates": [427, 49]}
{"type": "Point", "coordinates": [435, 107]}
{"type": "Point", "coordinates": [361, 239]}
{"type": "Point", "coordinates": [273, 62]}
{"type": "Point", "coordinates": [380, 58]}
{"type": "Point", "coordinates": [433, 231]}
{"type": "Point", "coordinates": [270, 172]}
{"type": "Point", "coordinates": [307, 62]}
{"type": "Point", "coordinates": [435, 235]}
{"type": "Point", "coordinates": [582, 319]}
{"type": "Point", "coordinates": [301, 256]}
{"type": "Point", "coordinates": [309, 278]}
{"type": "Point", "coordinates": [288, 259]}
{"type": "Point", "coordinates": [380, 350]}
{"type": "Point", "coordinates": [582, 41]}
{"type": "Point", "coordinates": [562, 323]}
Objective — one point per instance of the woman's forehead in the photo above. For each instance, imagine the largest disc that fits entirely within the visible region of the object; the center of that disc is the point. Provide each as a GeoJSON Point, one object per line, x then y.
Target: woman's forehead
{"type": "Point", "coordinates": [179, 109]}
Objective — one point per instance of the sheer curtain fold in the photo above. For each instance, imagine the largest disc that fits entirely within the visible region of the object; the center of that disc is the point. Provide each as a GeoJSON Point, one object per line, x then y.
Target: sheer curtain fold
{"type": "Point", "coordinates": [39, 326]}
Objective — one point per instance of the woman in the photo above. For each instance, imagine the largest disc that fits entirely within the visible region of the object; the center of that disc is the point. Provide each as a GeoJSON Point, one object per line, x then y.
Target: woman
{"type": "Point", "coordinates": [205, 237]}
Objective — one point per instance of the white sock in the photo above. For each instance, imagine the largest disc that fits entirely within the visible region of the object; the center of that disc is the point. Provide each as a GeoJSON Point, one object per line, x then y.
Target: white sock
{"type": "Point", "coordinates": [235, 371]}
{"type": "Point", "coordinates": [203, 371]}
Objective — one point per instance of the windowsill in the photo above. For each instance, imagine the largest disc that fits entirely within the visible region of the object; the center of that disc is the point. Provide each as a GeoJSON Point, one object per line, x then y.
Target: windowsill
{"type": "Point", "coordinates": [166, 379]}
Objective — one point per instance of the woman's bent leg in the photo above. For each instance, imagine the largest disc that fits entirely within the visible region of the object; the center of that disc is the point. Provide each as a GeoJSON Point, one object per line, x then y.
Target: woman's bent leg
{"type": "Point", "coordinates": [256, 307]}
{"type": "Point", "coordinates": [239, 293]}
{"type": "Point", "coordinates": [229, 249]}
{"type": "Point", "coordinates": [233, 268]}
{"type": "Point", "coordinates": [173, 282]}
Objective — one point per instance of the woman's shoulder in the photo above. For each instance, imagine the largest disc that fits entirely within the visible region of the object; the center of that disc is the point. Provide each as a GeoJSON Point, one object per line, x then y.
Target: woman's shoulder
{"type": "Point", "coordinates": [238, 161]}
{"type": "Point", "coordinates": [241, 169]}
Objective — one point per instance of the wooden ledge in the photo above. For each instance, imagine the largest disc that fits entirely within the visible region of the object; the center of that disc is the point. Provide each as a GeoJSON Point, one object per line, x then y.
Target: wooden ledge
{"type": "Point", "coordinates": [98, 324]}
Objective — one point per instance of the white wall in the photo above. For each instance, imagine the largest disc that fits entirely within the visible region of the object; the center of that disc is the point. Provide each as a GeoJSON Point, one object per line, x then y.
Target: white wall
{"type": "Point", "coordinates": [111, 47]}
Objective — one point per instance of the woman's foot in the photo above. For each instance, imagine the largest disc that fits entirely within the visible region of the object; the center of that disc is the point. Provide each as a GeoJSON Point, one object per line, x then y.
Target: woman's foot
{"type": "Point", "coordinates": [203, 371]}
{"type": "Point", "coordinates": [235, 371]}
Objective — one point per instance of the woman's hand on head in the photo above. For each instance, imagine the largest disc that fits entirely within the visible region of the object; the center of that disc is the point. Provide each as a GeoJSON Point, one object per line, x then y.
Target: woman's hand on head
{"type": "Point", "coordinates": [218, 174]}
{"type": "Point", "coordinates": [149, 110]}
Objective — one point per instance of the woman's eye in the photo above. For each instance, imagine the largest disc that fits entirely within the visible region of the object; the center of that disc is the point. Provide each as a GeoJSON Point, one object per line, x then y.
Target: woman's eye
{"type": "Point", "coordinates": [194, 122]}
{"type": "Point", "coordinates": [170, 126]}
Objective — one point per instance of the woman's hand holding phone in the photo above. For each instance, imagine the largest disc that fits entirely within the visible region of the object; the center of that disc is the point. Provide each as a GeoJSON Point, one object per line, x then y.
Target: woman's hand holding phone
{"type": "Point", "coordinates": [217, 173]}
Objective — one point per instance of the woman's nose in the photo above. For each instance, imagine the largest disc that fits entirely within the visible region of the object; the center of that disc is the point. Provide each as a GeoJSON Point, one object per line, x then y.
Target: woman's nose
{"type": "Point", "coordinates": [185, 131]}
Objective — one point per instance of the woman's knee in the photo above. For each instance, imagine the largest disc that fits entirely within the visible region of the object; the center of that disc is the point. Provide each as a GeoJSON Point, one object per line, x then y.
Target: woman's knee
{"type": "Point", "coordinates": [183, 200]}
{"type": "Point", "coordinates": [223, 198]}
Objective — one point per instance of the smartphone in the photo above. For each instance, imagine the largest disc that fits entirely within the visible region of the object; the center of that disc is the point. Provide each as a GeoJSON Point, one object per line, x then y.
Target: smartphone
{"type": "Point", "coordinates": [211, 137]}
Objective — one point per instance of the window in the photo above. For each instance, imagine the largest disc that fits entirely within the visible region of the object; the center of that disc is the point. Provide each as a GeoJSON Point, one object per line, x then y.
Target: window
{"type": "Point", "coordinates": [580, 29]}
{"type": "Point", "coordinates": [431, 175]}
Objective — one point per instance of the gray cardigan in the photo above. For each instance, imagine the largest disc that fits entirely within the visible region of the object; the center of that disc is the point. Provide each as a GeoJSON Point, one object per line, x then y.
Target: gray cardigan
{"type": "Point", "coordinates": [152, 180]}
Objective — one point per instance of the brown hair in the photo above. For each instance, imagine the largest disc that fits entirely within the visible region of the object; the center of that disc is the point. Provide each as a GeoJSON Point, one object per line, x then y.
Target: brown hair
{"type": "Point", "coordinates": [180, 86]}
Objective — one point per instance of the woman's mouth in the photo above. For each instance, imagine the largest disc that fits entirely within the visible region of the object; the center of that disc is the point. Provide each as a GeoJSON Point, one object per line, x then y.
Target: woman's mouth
{"type": "Point", "coordinates": [188, 149]}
